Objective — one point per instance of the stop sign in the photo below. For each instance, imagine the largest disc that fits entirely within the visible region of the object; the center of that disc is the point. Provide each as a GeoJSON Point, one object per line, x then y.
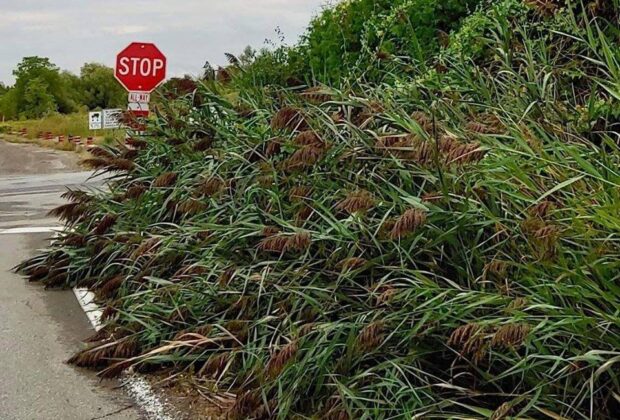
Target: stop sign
{"type": "Point", "coordinates": [140, 67]}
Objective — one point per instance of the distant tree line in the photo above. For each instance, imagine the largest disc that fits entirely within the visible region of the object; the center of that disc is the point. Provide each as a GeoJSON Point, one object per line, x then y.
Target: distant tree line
{"type": "Point", "coordinates": [41, 88]}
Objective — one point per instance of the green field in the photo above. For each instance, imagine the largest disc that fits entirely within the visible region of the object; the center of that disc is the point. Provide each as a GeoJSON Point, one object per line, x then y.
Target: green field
{"type": "Point", "coordinates": [58, 124]}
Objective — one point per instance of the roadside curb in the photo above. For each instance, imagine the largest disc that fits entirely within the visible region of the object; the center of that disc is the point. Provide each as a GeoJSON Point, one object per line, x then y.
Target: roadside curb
{"type": "Point", "coordinates": [135, 385]}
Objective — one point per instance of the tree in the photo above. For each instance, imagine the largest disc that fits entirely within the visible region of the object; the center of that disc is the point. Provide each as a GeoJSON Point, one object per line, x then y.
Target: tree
{"type": "Point", "coordinates": [99, 87]}
{"type": "Point", "coordinates": [177, 87]}
{"type": "Point", "coordinates": [49, 82]}
{"type": "Point", "coordinates": [8, 106]}
{"type": "Point", "coordinates": [38, 101]}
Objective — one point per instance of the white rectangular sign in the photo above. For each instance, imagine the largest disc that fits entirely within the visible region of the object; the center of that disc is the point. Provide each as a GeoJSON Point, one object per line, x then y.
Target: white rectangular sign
{"type": "Point", "coordinates": [111, 118]}
{"type": "Point", "coordinates": [138, 106]}
{"type": "Point", "coordinates": [139, 97]}
{"type": "Point", "coordinates": [95, 120]}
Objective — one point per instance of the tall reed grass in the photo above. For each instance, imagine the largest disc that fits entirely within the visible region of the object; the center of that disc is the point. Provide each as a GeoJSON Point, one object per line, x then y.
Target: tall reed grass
{"type": "Point", "coordinates": [444, 247]}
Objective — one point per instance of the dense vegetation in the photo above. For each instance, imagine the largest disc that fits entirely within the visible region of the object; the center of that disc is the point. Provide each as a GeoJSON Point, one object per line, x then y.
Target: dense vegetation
{"type": "Point", "coordinates": [366, 39]}
{"type": "Point", "coordinates": [445, 245]}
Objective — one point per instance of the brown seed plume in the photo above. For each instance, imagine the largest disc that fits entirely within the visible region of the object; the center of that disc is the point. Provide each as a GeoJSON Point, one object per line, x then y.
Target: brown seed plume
{"type": "Point", "coordinates": [547, 235]}
{"type": "Point", "coordinates": [245, 405]}
{"type": "Point", "coordinates": [288, 118]}
{"type": "Point", "coordinates": [463, 334]}
{"type": "Point", "coordinates": [130, 154]}
{"type": "Point", "coordinates": [273, 244]}
{"type": "Point", "coordinates": [359, 201]}
{"type": "Point", "coordinates": [74, 240]}
{"type": "Point", "coordinates": [511, 335]}
{"type": "Point", "coordinates": [496, 268]}
{"type": "Point", "coordinates": [501, 412]}
{"type": "Point", "coordinates": [353, 263]}
{"type": "Point", "coordinates": [408, 223]}
{"type": "Point", "coordinates": [284, 243]}
{"type": "Point", "coordinates": [273, 147]}
{"type": "Point", "coordinates": [120, 164]}
{"type": "Point", "coordinates": [76, 196]}
{"type": "Point", "coordinates": [191, 207]}
{"type": "Point", "coordinates": [269, 231]}
{"type": "Point", "coordinates": [298, 242]}
{"type": "Point", "coordinates": [303, 215]}
{"type": "Point", "coordinates": [542, 209]}
{"type": "Point", "coordinates": [96, 163]}
{"type": "Point", "coordinates": [423, 120]}
{"type": "Point", "coordinates": [278, 361]}
{"type": "Point", "coordinates": [371, 336]}
{"type": "Point", "coordinates": [203, 145]}
{"type": "Point", "coordinates": [71, 212]}
{"type": "Point", "coordinates": [105, 224]}
{"type": "Point", "coordinates": [308, 138]}
{"type": "Point", "coordinates": [211, 186]}
{"type": "Point", "coordinates": [457, 153]}
{"type": "Point", "coordinates": [299, 193]}
{"type": "Point", "coordinates": [108, 312]}
{"type": "Point", "coordinates": [544, 7]}
{"type": "Point", "coordinates": [136, 143]}
{"type": "Point", "coordinates": [226, 276]}
{"type": "Point", "coordinates": [517, 303]}
{"type": "Point", "coordinates": [147, 246]}
{"type": "Point", "coordinates": [305, 157]}
{"type": "Point", "coordinates": [135, 191]}
{"type": "Point", "coordinates": [100, 152]}
{"type": "Point", "coordinates": [109, 288]}
{"type": "Point", "coordinates": [38, 273]}
{"type": "Point", "coordinates": [469, 339]}
{"type": "Point", "coordinates": [166, 179]}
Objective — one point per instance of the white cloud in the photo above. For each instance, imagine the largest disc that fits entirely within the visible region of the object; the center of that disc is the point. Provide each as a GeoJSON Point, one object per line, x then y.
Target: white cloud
{"type": "Point", "coordinates": [15, 18]}
{"type": "Point", "coordinates": [126, 29]}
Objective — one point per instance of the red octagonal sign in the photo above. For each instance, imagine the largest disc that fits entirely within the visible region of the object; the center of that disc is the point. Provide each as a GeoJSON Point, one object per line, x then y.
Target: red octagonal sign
{"type": "Point", "coordinates": [140, 67]}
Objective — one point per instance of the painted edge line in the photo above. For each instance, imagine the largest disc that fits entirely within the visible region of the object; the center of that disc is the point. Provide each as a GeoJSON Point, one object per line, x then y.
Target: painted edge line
{"type": "Point", "coordinates": [135, 385]}
{"type": "Point", "coordinates": [22, 230]}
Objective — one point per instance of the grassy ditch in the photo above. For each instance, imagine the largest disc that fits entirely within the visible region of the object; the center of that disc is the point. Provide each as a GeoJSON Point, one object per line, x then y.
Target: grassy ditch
{"type": "Point", "coordinates": [58, 125]}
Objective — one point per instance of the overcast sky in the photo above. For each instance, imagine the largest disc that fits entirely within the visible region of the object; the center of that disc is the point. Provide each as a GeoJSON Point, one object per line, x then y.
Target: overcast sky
{"type": "Point", "coordinates": [189, 32]}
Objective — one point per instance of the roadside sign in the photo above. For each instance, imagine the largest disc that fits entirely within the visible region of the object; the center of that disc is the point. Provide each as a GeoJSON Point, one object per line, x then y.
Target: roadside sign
{"type": "Point", "coordinates": [139, 97]}
{"type": "Point", "coordinates": [95, 120]}
{"type": "Point", "coordinates": [139, 109]}
{"type": "Point", "coordinates": [112, 118]}
{"type": "Point", "coordinates": [140, 67]}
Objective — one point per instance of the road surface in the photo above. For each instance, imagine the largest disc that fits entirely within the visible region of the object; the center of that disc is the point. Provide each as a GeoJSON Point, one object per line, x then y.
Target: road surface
{"type": "Point", "coordinates": [40, 330]}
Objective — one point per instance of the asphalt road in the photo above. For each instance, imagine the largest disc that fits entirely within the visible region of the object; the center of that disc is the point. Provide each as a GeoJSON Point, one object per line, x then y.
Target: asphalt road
{"type": "Point", "coordinates": [40, 330]}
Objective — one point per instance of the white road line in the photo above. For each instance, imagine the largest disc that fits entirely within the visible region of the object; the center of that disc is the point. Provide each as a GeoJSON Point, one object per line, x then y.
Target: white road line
{"type": "Point", "coordinates": [136, 386]}
{"type": "Point", "coordinates": [23, 230]}
{"type": "Point", "coordinates": [90, 308]}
